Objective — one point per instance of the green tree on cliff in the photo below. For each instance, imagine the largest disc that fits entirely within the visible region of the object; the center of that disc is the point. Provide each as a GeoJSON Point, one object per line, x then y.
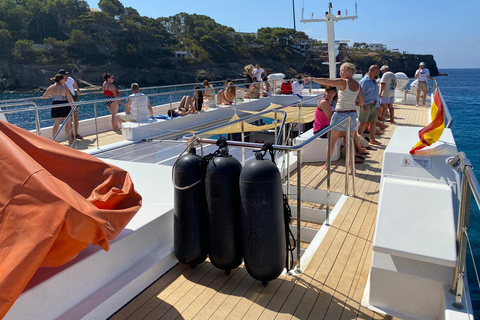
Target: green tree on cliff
{"type": "Point", "coordinates": [113, 8]}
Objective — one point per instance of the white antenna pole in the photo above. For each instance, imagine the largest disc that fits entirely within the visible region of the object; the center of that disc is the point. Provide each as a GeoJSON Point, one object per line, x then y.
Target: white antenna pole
{"type": "Point", "coordinates": [329, 19]}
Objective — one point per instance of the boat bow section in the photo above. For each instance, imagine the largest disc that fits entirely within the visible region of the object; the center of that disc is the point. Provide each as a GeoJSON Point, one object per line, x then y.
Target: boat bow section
{"type": "Point", "coordinates": [414, 248]}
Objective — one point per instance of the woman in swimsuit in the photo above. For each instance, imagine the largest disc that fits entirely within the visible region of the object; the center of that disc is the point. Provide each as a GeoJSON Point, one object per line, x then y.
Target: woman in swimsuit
{"type": "Point", "coordinates": [266, 87]}
{"type": "Point", "coordinates": [209, 93]}
{"type": "Point", "coordinates": [110, 91]}
{"type": "Point", "coordinates": [60, 95]}
{"type": "Point", "coordinates": [349, 97]}
{"type": "Point", "coordinates": [227, 96]}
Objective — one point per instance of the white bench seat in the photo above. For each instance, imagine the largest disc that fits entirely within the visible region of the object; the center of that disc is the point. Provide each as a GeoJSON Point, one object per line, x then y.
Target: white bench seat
{"type": "Point", "coordinates": [317, 150]}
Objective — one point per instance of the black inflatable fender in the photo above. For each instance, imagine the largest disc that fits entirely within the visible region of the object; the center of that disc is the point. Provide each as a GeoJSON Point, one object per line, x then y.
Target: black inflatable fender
{"type": "Point", "coordinates": [263, 224]}
{"type": "Point", "coordinates": [190, 211]}
{"type": "Point", "coordinates": [223, 200]}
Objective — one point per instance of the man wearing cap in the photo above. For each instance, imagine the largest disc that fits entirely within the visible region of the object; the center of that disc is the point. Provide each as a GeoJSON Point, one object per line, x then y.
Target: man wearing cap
{"type": "Point", "coordinates": [72, 86]}
{"type": "Point", "coordinates": [422, 75]}
{"type": "Point", "coordinates": [387, 92]}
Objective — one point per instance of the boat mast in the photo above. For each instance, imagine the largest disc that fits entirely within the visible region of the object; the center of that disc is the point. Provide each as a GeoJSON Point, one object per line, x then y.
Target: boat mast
{"type": "Point", "coordinates": [329, 19]}
{"type": "Point", "coordinates": [294, 27]}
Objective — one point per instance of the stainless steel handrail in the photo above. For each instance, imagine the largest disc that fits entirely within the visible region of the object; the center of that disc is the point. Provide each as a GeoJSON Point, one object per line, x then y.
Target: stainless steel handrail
{"type": "Point", "coordinates": [5, 107]}
{"type": "Point", "coordinates": [35, 108]}
{"type": "Point", "coordinates": [237, 82]}
{"type": "Point", "coordinates": [26, 101]}
{"type": "Point", "coordinates": [469, 186]}
{"type": "Point", "coordinates": [85, 92]}
{"type": "Point", "coordinates": [298, 148]}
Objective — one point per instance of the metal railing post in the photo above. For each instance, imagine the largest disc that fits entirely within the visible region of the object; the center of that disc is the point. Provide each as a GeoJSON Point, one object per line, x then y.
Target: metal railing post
{"type": "Point", "coordinates": [353, 164]}
{"type": "Point", "coordinates": [37, 119]}
{"type": "Point", "coordinates": [299, 123]}
{"type": "Point", "coordinates": [96, 123]}
{"type": "Point", "coordinates": [347, 155]}
{"type": "Point", "coordinates": [462, 228]}
{"type": "Point", "coordinates": [288, 173]}
{"type": "Point", "coordinates": [329, 159]}
{"type": "Point", "coordinates": [284, 154]}
{"type": "Point", "coordinates": [243, 140]}
{"type": "Point", "coordinates": [75, 108]}
{"type": "Point", "coordinates": [276, 130]}
{"type": "Point", "coordinates": [299, 206]}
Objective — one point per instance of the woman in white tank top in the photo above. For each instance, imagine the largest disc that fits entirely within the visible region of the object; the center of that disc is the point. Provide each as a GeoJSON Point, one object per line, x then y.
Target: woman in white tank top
{"type": "Point", "coordinates": [350, 95]}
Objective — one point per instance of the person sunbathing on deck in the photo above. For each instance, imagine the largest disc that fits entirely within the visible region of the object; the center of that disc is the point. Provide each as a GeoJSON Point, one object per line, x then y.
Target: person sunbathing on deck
{"type": "Point", "coordinates": [173, 113]}
{"type": "Point", "coordinates": [227, 96]}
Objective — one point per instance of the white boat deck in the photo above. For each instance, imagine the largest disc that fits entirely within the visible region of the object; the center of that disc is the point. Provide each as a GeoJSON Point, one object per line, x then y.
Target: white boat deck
{"type": "Point", "coordinates": [330, 288]}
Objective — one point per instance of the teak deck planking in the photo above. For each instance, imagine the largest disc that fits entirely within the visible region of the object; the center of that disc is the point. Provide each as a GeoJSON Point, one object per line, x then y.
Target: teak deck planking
{"type": "Point", "coordinates": [332, 285]}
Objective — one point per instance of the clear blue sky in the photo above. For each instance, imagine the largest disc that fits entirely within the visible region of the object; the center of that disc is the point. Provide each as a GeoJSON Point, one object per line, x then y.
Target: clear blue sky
{"type": "Point", "coordinates": [450, 30]}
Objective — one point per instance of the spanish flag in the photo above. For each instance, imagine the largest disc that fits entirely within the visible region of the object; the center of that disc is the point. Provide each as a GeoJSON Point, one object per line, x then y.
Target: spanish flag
{"type": "Point", "coordinates": [431, 133]}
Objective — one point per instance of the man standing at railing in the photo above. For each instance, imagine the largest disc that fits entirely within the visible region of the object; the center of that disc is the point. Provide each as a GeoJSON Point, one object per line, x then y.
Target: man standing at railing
{"type": "Point", "coordinates": [422, 75]}
{"type": "Point", "coordinates": [72, 86]}
{"type": "Point", "coordinates": [257, 73]}
{"type": "Point", "coordinates": [138, 107]}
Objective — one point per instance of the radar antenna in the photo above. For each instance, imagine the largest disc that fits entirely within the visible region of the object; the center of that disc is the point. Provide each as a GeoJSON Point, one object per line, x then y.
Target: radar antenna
{"type": "Point", "coordinates": [332, 46]}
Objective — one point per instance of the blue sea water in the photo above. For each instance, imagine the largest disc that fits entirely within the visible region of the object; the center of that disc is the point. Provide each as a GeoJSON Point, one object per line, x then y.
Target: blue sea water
{"type": "Point", "coordinates": [26, 120]}
{"type": "Point", "coordinates": [461, 94]}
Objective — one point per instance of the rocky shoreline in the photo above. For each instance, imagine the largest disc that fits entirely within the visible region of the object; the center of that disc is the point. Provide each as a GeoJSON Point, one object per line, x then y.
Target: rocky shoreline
{"type": "Point", "coordinates": [22, 77]}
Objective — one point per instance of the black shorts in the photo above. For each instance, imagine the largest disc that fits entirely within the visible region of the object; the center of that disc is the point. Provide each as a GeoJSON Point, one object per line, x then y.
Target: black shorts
{"type": "Point", "coordinates": [60, 112]}
{"type": "Point", "coordinates": [323, 135]}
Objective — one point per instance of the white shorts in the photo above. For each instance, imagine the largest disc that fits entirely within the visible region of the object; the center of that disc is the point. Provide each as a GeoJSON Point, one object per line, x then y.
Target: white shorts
{"type": "Point", "coordinates": [127, 117]}
{"type": "Point", "coordinates": [387, 100]}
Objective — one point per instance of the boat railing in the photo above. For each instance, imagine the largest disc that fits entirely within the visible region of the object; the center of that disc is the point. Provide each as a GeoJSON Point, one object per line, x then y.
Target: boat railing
{"type": "Point", "coordinates": [287, 148]}
{"type": "Point", "coordinates": [175, 87]}
{"type": "Point", "coordinates": [469, 186]}
{"type": "Point", "coordinates": [26, 103]}
{"type": "Point", "coordinates": [160, 98]}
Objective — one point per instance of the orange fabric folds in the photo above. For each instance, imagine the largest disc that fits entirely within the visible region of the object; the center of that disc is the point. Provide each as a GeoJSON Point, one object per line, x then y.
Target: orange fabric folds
{"type": "Point", "coordinates": [54, 202]}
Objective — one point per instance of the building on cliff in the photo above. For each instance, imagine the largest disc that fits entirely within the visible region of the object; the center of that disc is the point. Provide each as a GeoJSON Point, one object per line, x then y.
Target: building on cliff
{"type": "Point", "coordinates": [377, 47]}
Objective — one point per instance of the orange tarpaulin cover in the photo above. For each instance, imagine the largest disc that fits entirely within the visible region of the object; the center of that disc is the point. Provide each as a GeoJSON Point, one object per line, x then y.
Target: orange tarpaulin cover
{"type": "Point", "coordinates": [54, 202]}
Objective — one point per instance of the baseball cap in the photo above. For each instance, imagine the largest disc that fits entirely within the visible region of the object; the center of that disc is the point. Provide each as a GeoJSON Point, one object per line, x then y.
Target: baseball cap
{"type": "Point", "coordinates": [384, 67]}
{"type": "Point", "coordinates": [62, 71]}
{"type": "Point", "coordinates": [422, 63]}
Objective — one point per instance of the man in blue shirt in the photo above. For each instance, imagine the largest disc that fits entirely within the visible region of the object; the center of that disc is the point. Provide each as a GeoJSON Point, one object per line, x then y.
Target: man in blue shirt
{"type": "Point", "coordinates": [368, 112]}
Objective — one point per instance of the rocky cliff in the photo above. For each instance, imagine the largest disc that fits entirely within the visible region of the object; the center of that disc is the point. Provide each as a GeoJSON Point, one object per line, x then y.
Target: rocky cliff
{"type": "Point", "coordinates": [407, 63]}
{"type": "Point", "coordinates": [18, 77]}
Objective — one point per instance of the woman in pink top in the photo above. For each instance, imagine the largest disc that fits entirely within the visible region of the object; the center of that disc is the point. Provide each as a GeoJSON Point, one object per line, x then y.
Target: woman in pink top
{"type": "Point", "coordinates": [350, 95]}
{"type": "Point", "coordinates": [324, 110]}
